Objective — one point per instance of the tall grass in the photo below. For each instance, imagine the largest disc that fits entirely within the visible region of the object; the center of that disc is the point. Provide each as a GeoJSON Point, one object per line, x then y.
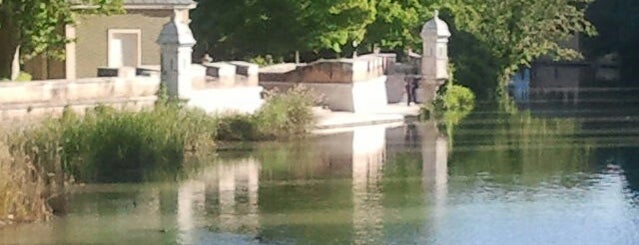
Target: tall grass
{"type": "Point", "coordinates": [23, 193]}
{"type": "Point", "coordinates": [107, 145]}
{"type": "Point", "coordinates": [119, 146]}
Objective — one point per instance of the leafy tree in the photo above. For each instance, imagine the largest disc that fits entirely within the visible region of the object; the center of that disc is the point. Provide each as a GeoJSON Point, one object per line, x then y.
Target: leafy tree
{"type": "Point", "coordinates": [617, 23]}
{"type": "Point", "coordinates": [517, 32]}
{"type": "Point", "coordinates": [36, 26]}
{"type": "Point", "coordinates": [241, 29]}
{"type": "Point", "coordinates": [337, 23]}
{"type": "Point", "coordinates": [491, 38]}
{"type": "Point", "coordinates": [397, 24]}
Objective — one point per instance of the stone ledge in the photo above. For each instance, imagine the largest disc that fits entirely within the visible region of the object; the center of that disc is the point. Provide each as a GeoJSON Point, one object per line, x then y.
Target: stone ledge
{"type": "Point", "coordinates": [33, 112]}
{"type": "Point", "coordinates": [19, 106]}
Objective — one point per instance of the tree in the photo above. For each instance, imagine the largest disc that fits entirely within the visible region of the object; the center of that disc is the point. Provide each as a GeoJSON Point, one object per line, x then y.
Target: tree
{"type": "Point", "coordinates": [617, 23]}
{"type": "Point", "coordinates": [241, 29]}
{"type": "Point", "coordinates": [397, 24]}
{"type": "Point", "coordinates": [518, 32]}
{"type": "Point", "coordinates": [492, 38]}
{"type": "Point", "coordinates": [337, 23]}
{"type": "Point", "coordinates": [33, 27]}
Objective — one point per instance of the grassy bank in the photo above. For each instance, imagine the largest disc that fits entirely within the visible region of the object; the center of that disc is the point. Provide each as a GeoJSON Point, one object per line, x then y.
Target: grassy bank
{"type": "Point", "coordinates": [107, 145]}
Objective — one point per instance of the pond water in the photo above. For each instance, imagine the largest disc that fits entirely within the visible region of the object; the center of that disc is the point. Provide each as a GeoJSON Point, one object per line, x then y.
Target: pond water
{"type": "Point", "coordinates": [553, 173]}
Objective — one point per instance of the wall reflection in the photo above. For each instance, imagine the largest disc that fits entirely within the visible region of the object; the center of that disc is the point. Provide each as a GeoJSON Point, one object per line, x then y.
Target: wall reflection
{"type": "Point", "coordinates": [226, 193]}
{"type": "Point", "coordinates": [434, 174]}
{"type": "Point", "coordinates": [369, 144]}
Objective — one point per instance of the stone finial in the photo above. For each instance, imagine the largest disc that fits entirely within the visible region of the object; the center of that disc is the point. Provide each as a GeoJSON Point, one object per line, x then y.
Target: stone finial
{"type": "Point", "coordinates": [435, 28]}
{"type": "Point", "coordinates": [176, 32]}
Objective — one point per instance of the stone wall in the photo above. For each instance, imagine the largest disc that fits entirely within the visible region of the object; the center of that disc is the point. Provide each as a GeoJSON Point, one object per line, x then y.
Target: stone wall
{"type": "Point", "coordinates": [356, 85]}
{"type": "Point", "coordinates": [32, 100]}
{"type": "Point", "coordinates": [362, 68]}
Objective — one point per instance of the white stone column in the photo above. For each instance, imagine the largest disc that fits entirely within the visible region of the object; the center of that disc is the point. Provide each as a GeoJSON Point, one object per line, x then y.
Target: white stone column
{"type": "Point", "coordinates": [176, 44]}
{"type": "Point", "coordinates": [434, 67]}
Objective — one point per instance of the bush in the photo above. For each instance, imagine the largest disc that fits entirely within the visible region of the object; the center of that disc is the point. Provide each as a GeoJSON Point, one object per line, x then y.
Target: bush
{"type": "Point", "coordinates": [286, 114]}
{"type": "Point", "coordinates": [237, 127]}
{"type": "Point", "coordinates": [454, 103]}
{"type": "Point", "coordinates": [265, 60]}
{"type": "Point", "coordinates": [24, 77]}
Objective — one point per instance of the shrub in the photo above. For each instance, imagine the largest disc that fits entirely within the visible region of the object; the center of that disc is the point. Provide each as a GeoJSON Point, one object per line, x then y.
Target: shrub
{"type": "Point", "coordinates": [23, 77]}
{"type": "Point", "coordinates": [233, 127]}
{"type": "Point", "coordinates": [454, 103]}
{"type": "Point", "coordinates": [286, 114]}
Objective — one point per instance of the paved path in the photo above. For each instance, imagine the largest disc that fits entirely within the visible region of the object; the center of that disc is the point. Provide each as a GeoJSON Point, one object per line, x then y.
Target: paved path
{"type": "Point", "coordinates": [334, 121]}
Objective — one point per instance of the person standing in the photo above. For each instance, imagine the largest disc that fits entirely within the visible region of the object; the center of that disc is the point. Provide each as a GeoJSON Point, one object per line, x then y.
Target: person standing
{"type": "Point", "coordinates": [412, 84]}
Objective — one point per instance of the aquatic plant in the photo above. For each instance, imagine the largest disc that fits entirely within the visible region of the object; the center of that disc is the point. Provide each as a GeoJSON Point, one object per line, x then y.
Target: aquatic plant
{"type": "Point", "coordinates": [113, 146]}
{"type": "Point", "coordinates": [23, 191]}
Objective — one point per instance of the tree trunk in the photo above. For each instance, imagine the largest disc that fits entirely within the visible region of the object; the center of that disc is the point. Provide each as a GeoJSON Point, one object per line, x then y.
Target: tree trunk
{"type": "Point", "coordinates": [9, 46]}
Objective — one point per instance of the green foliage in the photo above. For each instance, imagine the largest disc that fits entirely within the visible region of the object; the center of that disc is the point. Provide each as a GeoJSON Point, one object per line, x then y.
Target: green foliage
{"type": "Point", "coordinates": [282, 115]}
{"type": "Point", "coordinates": [397, 24]}
{"type": "Point", "coordinates": [107, 145]}
{"type": "Point", "coordinates": [22, 185]}
{"type": "Point", "coordinates": [238, 29]}
{"type": "Point", "coordinates": [520, 31]}
{"type": "Point", "coordinates": [237, 127]}
{"type": "Point", "coordinates": [288, 113]}
{"type": "Point", "coordinates": [37, 26]}
{"type": "Point", "coordinates": [454, 103]}
{"type": "Point", "coordinates": [265, 60]}
{"type": "Point", "coordinates": [617, 23]}
{"type": "Point", "coordinates": [23, 77]}
{"type": "Point", "coordinates": [491, 38]}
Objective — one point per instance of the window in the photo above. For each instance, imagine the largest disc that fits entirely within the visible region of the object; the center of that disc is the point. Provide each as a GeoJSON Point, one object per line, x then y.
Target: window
{"type": "Point", "coordinates": [124, 47]}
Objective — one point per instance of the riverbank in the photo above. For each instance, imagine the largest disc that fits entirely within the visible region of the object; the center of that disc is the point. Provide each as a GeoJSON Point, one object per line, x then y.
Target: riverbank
{"type": "Point", "coordinates": [328, 122]}
{"type": "Point", "coordinates": [110, 146]}
{"type": "Point", "coordinates": [106, 145]}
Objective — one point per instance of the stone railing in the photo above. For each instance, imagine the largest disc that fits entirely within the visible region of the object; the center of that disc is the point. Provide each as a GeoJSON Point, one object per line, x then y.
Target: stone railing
{"type": "Point", "coordinates": [25, 100]}
{"type": "Point", "coordinates": [362, 68]}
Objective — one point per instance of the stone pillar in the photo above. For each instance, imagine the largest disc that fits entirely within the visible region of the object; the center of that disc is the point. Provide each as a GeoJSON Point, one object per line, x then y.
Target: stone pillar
{"type": "Point", "coordinates": [176, 43]}
{"type": "Point", "coordinates": [434, 67]}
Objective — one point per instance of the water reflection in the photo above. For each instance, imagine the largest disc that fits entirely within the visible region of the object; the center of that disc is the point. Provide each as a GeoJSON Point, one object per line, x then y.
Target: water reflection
{"type": "Point", "coordinates": [227, 193]}
{"type": "Point", "coordinates": [368, 159]}
{"type": "Point", "coordinates": [505, 178]}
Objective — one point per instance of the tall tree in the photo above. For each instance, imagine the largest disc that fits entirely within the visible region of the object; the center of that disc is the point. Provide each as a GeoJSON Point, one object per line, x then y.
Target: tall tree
{"type": "Point", "coordinates": [33, 27]}
{"type": "Point", "coordinates": [519, 31]}
{"type": "Point", "coordinates": [237, 29]}
{"type": "Point", "coordinates": [398, 23]}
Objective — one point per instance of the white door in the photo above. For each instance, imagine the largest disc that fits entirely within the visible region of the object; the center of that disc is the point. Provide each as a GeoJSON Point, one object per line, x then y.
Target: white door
{"type": "Point", "coordinates": [124, 48]}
